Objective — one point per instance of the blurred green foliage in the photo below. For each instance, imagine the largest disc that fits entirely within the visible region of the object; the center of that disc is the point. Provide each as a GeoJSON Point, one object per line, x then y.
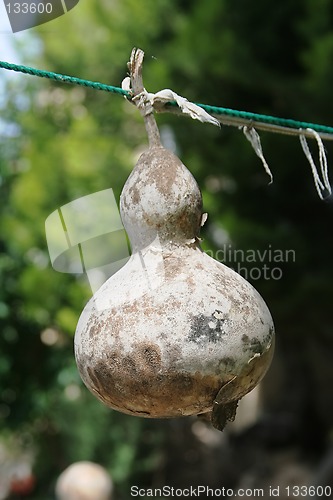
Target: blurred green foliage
{"type": "Point", "coordinates": [61, 142]}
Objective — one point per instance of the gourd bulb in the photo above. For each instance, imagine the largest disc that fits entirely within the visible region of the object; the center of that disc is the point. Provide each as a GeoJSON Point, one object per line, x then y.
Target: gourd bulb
{"type": "Point", "coordinates": [175, 332]}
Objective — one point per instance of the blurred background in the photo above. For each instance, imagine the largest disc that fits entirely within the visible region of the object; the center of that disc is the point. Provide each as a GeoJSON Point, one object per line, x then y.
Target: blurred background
{"type": "Point", "coordinates": [60, 142]}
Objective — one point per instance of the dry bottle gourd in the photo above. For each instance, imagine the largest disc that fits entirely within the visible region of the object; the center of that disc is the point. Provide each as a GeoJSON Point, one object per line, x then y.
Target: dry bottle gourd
{"type": "Point", "coordinates": [174, 332]}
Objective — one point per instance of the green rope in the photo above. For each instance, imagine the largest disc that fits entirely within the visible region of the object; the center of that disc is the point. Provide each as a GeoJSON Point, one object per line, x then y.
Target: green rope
{"type": "Point", "coordinates": [231, 113]}
{"type": "Point", "coordinates": [62, 78]}
{"type": "Point", "coordinates": [271, 120]}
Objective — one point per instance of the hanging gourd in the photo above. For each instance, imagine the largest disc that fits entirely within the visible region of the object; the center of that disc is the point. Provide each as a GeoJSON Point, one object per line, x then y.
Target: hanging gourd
{"type": "Point", "coordinates": [174, 332]}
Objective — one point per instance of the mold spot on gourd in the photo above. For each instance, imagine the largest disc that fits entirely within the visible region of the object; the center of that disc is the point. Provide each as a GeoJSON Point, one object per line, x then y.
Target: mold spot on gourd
{"type": "Point", "coordinates": [176, 333]}
{"type": "Point", "coordinates": [207, 328]}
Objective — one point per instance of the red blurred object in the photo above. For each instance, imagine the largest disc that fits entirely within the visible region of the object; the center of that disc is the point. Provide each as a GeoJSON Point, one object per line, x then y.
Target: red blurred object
{"type": "Point", "coordinates": [22, 485]}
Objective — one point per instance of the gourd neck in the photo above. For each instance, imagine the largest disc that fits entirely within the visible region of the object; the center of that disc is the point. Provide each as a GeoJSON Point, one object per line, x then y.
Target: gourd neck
{"type": "Point", "coordinates": [161, 201]}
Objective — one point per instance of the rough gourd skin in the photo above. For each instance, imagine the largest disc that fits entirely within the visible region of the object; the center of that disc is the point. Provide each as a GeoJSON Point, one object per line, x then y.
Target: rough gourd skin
{"type": "Point", "coordinates": [173, 332]}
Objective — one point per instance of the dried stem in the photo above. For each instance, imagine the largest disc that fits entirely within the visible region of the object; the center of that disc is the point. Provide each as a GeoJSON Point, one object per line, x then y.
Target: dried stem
{"type": "Point", "coordinates": [140, 99]}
